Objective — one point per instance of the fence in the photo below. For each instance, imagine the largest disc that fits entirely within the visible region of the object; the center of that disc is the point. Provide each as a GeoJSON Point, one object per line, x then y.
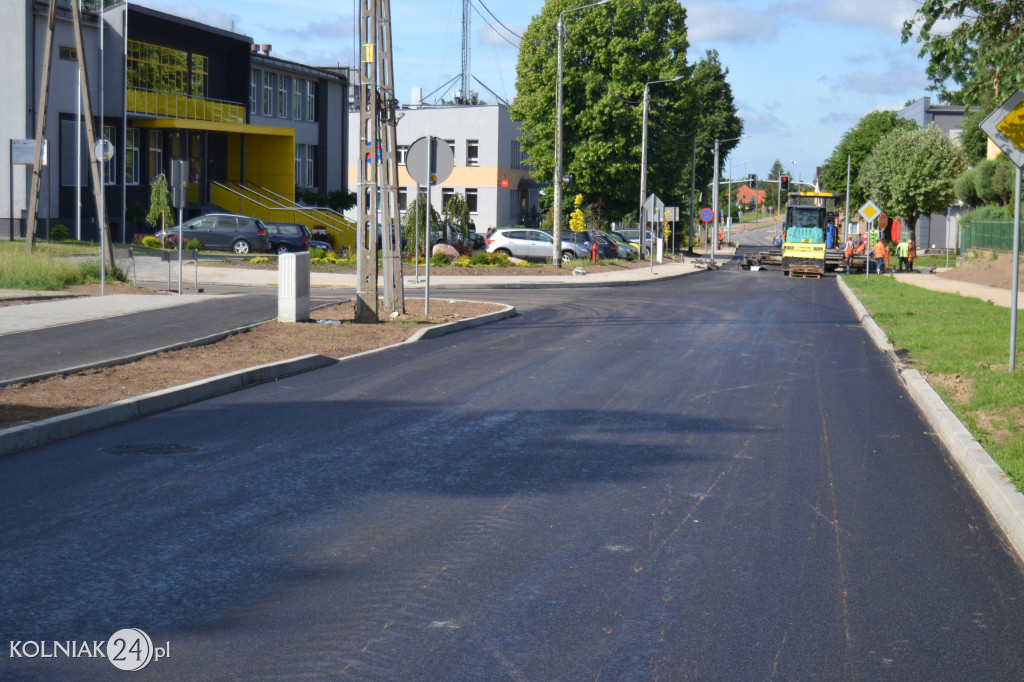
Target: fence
{"type": "Point", "coordinates": [994, 235]}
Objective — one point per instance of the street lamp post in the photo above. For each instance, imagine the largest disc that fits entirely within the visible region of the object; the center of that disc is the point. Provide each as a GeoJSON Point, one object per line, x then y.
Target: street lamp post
{"type": "Point", "coordinates": [714, 198]}
{"type": "Point", "coordinates": [643, 165]}
{"type": "Point", "coordinates": [556, 255]}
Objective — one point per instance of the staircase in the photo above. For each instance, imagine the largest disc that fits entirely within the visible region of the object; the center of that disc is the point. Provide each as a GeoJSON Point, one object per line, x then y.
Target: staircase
{"type": "Point", "coordinates": [261, 203]}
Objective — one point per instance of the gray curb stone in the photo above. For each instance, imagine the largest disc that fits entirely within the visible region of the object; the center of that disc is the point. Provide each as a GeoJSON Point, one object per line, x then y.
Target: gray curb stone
{"type": "Point", "coordinates": [987, 478]}
{"type": "Point", "coordinates": [45, 431]}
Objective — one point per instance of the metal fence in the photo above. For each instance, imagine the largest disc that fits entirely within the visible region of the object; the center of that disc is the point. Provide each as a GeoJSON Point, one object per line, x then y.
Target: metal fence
{"type": "Point", "coordinates": [994, 235]}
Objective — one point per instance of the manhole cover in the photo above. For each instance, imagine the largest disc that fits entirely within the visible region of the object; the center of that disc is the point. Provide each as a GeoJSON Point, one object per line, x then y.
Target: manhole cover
{"type": "Point", "coordinates": [151, 449]}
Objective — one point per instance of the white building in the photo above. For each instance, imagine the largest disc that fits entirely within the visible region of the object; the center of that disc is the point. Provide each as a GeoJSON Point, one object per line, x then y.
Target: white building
{"type": "Point", "coordinates": [490, 169]}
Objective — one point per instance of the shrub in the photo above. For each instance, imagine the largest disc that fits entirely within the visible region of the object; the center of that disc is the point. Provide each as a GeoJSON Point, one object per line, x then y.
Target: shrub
{"type": "Point", "coordinates": [317, 254]}
{"type": "Point", "coordinates": [259, 259]}
{"type": "Point", "coordinates": [194, 244]}
{"type": "Point", "coordinates": [59, 233]}
{"type": "Point", "coordinates": [439, 260]}
{"type": "Point", "coordinates": [151, 242]}
{"type": "Point", "coordinates": [462, 262]}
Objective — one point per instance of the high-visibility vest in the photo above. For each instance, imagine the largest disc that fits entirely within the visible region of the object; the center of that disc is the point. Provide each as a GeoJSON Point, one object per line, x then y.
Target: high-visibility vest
{"type": "Point", "coordinates": [880, 249]}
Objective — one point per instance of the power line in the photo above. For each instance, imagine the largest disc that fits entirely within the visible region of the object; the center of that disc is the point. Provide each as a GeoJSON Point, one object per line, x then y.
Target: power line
{"type": "Point", "coordinates": [498, 20]}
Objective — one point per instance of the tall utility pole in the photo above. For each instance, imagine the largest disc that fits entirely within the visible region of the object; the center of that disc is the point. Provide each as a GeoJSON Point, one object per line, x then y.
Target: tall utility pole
{"type": "Point", "coordinates": [378, 166]}
{"type": "Point", "coordinates": [90, 131]}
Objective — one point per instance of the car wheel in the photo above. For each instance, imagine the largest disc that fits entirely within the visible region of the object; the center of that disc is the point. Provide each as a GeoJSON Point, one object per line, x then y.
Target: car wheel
{"type": "Point", "coordinates": [568, 256]}
{"type": "Point", "coordinates": [281, 250]}
{"type": "Point", "coordinates": [240, 246]}
{"type": "Point", "coordinates": [506, 252]}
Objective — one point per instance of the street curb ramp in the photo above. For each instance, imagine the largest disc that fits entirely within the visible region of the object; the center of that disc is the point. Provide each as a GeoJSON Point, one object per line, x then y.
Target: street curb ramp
{"type": "Point", "coordinates": [988, 479]}
{"type": "Point", "coordinates": [25, 436]}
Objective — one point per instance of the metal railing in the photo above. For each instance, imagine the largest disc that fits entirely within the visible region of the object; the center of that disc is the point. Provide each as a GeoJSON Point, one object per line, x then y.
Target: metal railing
{"type": "Point", "coordinates": [173, 105]}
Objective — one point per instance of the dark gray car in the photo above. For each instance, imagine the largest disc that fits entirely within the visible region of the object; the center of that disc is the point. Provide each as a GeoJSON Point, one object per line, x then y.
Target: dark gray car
{"type": "Point", "coordinates": [238, 233]}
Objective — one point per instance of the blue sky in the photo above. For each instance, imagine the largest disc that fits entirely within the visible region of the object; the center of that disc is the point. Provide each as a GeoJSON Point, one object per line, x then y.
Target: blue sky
{"type": "Point", "coordinates": [802, 73]}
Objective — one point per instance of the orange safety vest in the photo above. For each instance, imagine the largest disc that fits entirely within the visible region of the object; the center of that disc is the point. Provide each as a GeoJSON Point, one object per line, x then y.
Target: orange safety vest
{"type": "Point", "coordinates": [879, 249]}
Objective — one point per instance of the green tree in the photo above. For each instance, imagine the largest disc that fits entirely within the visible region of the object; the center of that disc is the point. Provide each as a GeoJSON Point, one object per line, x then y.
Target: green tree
{"type": "Point", "coordinates": [980, 56]}
{"type": "Point", "coordinates": [857, 144]}
{"type": "Point", "coordinates": [610, 52]}
{"type": "Point", "coordinates": [972, 137]}
{"type": "Point", "coordinates": [417, 215]}
{"type": "Point", "coordinates": [159, 203]}
{"type": "Point", "coordinates": [771, 186]}
{"type": "Point", "coordinates": [966, 188]}
{"type": "Point", "coordinates": [456, 217]}
{"type": "Point", "coordinates": [911, 173]}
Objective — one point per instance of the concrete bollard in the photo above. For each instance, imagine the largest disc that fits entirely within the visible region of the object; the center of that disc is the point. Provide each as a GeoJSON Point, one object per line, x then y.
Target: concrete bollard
{"type": "Point", "coordinates": [293, 287]}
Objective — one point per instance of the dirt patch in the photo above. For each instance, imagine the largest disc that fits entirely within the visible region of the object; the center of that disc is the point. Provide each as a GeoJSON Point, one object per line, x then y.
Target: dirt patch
{"type": "Point", "coordinates": [270, 342]}
{"type": "Point", "coordinates": [958, 387]}
{"type": "Point", "coordinates": [991, 268]}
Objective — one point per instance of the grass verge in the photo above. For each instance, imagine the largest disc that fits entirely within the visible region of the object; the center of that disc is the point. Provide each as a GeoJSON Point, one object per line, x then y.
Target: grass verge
{"type": "Point", "coordinates": [45, 269]}
{"type": "Point", "coordinates": [961, 345]}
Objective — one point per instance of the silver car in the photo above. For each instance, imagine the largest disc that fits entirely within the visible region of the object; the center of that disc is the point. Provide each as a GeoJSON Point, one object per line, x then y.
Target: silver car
{"type": "Point", "coordinates": [521, 243]}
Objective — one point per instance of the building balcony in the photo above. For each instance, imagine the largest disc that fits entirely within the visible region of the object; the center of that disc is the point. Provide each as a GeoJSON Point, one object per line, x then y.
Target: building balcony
{"type": "Point", "coordinates": [173, 105]}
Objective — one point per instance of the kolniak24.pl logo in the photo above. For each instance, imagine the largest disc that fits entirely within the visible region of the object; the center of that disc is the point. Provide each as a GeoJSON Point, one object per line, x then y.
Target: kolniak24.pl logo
{"type": "Point", "coordinates": [127, 649]}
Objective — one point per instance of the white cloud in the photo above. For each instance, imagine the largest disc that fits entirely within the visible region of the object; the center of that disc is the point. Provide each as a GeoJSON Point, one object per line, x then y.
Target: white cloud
{"type": "Point", "coordinates": [708, 21]}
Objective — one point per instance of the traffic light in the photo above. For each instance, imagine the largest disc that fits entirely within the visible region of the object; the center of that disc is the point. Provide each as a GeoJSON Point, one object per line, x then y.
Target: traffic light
{"type": "Point", "coordinates": [784, 183]}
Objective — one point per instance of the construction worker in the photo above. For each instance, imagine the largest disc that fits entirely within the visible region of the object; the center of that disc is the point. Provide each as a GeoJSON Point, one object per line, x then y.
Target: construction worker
{"type": "Point", "coordinates": [902, 252]}
{"type": "Point", "coordinates": [910, 255]}
{"type": "Point", "coordinates": [880, 252]}
{"type": "Point", "coordinates": [848, 254]}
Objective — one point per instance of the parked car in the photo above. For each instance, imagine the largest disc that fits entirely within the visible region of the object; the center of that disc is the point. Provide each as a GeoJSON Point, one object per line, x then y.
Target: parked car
{"type": "Point", "coordinates": [238, 233]}
{"type": "Point", "coordinates": [580, 243]}
{"type": "Point", "coordinates": [626, 250]}
{"type": "Point", "coordinates": [287, 237]}
{"type": "Point", "coordinates": [521, 243]}
{"type": "Point", "coordinates": [475, 241]}
{"type": "Point", "coordinates": [633, 237]}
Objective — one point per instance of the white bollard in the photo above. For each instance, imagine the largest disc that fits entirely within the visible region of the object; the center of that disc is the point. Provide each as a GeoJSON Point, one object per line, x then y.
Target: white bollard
{"type": "Point", "coordinates": [293, 287]}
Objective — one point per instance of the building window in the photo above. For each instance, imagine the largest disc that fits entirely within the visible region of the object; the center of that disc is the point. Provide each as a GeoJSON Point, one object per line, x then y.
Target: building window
{"type": "Point", "coordinates": [73, 155]}
{"type": "Point", "coordinates": [254, 90]}
{"type": "Point", "coordinates": [131, 156]}
{"type": "Point", "coordinates": [164, 69]}
{"type": "Point", "coordinates": [403, 200]}
{"type": "Point", "coordinates": [297, 98]}
{"type": "Point", "coordinates": [446, 195]}
{"type": "Point", "coordinates": [311, 165]}
{"type": "Point", "coordinates": [310, 100]}
{"type": "Point", "coordinates": [282, 96]}
{"type": "Point", "coordinates": [156, 153]}
{"type": "Point", "coordinates": [472, 152]}
{"type": "Point", "coordinates": [109, 167]}
{"type": "Point", "coordinates": [471, 199]}
{"type": "Point", "coordinates": [403, 152]}
{"type": "Point", "coordinates": [451, 145]}
{"type": "Point", "coordinates": [69, 53]}
{"type": "Point", "coordinates": [300, 159]}
{"type": "Point", "coordinates": [268, 94]}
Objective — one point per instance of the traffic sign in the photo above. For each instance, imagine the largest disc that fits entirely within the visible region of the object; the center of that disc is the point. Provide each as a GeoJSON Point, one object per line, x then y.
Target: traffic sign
{"type": "Point", "coordinates": [707, 215]}
{"type": "Point", "coordinates": [1005, 127]}
{"type": "Point", "coordinates": [870, 211]}
{"type": "Point", "coordinates": [441, 160]}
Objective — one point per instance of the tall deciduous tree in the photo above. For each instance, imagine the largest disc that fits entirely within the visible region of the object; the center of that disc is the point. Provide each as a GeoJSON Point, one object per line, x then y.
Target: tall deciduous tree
{"type": "Point", "coordinates": [911, 173]}
{"type": "Point", "coordinates": [857, 145]}
{"type": "Point", "coordinates": [159, 203]}
{"type": "Point", "coordinates": [980, 56]}
{"type": "Point", "coordinates": [610, 52]}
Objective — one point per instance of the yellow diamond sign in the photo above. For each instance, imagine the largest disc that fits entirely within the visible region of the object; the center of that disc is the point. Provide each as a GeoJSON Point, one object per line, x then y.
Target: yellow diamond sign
{"type": "Point", "coordinates": [1005, 127]}
{"type": "Point", "coordinates": [870, 211]}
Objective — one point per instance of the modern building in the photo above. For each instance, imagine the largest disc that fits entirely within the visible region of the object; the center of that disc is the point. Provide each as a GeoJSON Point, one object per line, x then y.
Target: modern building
{"type": "Point", "coordinates": [249, 127]}
{"type": "Point", "coordinates": [490, 168]}
{"type": "Point", "coordinates": [937, 231]}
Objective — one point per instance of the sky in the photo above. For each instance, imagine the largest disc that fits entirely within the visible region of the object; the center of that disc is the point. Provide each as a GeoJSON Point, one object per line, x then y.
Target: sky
{"type": "Point", "coordinates": [802, 73]}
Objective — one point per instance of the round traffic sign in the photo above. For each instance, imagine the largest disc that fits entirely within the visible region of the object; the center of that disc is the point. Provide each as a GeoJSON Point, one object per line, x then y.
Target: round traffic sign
{"type": "Point", "coordinates": [707, 215]}
{"type": "Point", "coordinates": [429, 161]}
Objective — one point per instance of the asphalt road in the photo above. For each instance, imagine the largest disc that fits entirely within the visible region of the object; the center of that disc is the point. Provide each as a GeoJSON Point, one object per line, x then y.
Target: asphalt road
{"type": "Point", "coordinates": [717, 477]}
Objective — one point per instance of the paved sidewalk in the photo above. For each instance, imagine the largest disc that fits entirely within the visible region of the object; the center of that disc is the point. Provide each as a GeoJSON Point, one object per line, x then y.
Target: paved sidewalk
{"type": "Point", "coordinates": [48, 314]}
{"type": "Point", "coordinates": [1001, 297]}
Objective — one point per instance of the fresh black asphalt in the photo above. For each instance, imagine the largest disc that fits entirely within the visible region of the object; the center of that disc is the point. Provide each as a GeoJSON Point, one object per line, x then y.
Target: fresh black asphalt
{"type": "Point", "coordinates": [717, 477]}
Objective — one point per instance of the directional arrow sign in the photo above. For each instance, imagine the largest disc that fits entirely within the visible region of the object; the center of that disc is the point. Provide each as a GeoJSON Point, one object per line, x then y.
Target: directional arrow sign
{"type": "Point", "coordinates": [1005, 127]}
{"type": "Point", "coordinates": [870, 211]}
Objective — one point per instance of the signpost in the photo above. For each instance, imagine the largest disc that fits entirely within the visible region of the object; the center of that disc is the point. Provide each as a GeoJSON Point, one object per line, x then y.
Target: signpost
{"type": "Point", "coordinates": [869, 211]}
{"type": "Point", "coordinates": [1005, 127]}
{"type": "Point", "coordinates": [429, 160]}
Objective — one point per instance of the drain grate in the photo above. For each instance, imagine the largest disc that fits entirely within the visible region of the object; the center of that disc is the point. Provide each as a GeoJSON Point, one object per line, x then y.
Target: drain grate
{"type": "Point", "coordinates": [151, 449]}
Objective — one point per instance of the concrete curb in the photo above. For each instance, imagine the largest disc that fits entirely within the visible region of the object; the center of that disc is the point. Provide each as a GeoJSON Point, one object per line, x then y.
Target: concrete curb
{"type": "Point", "coordinates": [27, 436]}
{"type": "Point", "coordinates": [573, 282]}
{"type": "Point", "coordinates": [989, 481]}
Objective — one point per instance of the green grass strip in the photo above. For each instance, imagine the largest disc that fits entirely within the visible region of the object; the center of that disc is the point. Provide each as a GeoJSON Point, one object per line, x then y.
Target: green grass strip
{"type": "Point", "coordinates": [963, 345]}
